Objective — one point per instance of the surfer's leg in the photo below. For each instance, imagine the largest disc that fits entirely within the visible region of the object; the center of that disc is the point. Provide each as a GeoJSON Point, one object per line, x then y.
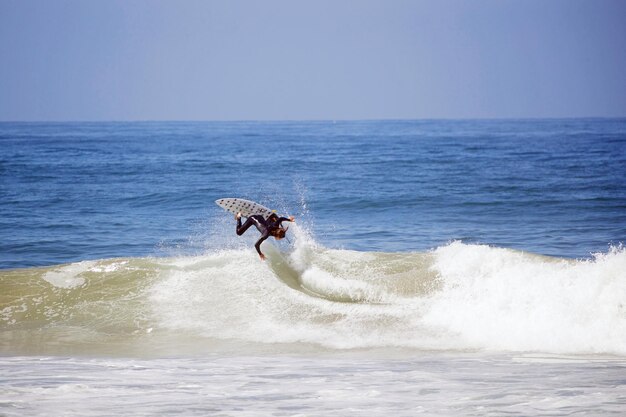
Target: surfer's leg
{"type": "Point", "coordinates": [256, 220]}
{"type": "Point", "coordinates": [242, 229]}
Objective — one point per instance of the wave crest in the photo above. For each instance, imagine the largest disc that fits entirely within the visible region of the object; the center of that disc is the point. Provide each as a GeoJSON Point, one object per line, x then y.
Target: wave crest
{"type": "Point", "coordinates": [456, 297]}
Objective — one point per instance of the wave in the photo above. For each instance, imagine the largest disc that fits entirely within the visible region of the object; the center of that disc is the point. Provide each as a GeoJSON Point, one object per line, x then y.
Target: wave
{"type": "Point", "coordinates": [455, 297]}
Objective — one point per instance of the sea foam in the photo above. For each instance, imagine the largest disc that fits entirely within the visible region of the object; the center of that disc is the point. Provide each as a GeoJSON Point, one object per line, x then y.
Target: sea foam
{"type": "Point", "coordinates": [456, 297]}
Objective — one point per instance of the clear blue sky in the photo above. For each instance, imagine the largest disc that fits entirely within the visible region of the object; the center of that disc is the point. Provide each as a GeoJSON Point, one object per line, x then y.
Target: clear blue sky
{"type": "Point", "coordinates": [282, 60]}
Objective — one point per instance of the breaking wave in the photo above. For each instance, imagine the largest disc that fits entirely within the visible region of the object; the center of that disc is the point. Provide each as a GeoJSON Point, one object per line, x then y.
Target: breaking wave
{"type": "Point", "coordinates": [455, 297]}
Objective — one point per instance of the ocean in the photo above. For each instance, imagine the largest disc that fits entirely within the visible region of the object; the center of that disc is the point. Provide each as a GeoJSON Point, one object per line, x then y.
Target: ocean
{"type": "Point", "coordinates": [435, 267]}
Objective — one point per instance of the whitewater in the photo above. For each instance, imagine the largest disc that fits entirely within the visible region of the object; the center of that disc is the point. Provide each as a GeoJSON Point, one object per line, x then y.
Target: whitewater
{"type": "Point", "coordinates": [458, 297]}
{"type": "Point", "coordinates": [317, 331]}
{"type": "Point", "coordinates": [455, 268]}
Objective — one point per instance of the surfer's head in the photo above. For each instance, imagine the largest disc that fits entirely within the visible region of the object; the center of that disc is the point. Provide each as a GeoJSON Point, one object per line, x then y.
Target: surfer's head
{"type": "Point", "coordinates": [279, 233]}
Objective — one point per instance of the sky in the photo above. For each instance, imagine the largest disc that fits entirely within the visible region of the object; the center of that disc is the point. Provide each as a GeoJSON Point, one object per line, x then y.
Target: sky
{"type": "Point", "coordinates": [77, 60]}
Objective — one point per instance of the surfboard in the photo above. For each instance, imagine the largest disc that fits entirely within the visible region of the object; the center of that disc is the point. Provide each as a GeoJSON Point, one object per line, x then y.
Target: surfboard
{"type": "Point", "coordinates": [246, 207]}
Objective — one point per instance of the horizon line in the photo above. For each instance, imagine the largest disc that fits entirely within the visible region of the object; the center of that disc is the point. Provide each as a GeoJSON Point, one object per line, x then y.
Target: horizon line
{"type": "Point", "coordinates": [318, 120]}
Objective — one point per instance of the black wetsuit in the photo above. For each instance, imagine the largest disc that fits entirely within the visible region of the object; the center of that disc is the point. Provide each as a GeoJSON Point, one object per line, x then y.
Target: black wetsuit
{"type": "Point", "coordinates": [265, 226]}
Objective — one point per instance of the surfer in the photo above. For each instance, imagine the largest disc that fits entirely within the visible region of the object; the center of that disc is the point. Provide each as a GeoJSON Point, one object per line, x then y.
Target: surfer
{"type": "Point", "coordinates": [268, 227]}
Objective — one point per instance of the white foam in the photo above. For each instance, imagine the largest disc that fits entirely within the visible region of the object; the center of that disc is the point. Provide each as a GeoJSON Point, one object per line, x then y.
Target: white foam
{"type": "Point", "coordinates": [482, 298]}
{"type": "Point", "coordinates": [108, 267]}
{"type": "Point", "coordinates": [236, 385]}
{"type": "Point", "coordinates": [67, 276]}
{"type": "Point", "coordinates": [501, 299]}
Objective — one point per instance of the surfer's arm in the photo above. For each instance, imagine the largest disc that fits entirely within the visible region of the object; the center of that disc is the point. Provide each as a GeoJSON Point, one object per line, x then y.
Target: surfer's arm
{"type": "Point", "coordinates": [257, 245]}
{"type": "Point", "coordinates": [286, 219]}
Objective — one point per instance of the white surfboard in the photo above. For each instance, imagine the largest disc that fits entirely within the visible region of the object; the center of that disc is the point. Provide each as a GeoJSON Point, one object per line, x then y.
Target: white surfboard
{"type": "Point", "coordinates": [247, 208]}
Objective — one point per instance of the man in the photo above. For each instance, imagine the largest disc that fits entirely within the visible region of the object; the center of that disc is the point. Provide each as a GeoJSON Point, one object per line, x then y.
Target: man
{"type": "Point", "coordinates": [268, 227]}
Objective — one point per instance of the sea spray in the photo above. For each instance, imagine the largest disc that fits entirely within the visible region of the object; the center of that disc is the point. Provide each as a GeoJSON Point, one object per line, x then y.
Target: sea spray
{"type": "Point", "coordinates": [500, 299]}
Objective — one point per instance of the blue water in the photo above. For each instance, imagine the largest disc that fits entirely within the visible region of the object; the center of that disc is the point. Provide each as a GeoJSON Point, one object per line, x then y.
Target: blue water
{"type": "Point", "coordinates": [433, 309]}
{"type": "Point", "coordinates": [76, 191]}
